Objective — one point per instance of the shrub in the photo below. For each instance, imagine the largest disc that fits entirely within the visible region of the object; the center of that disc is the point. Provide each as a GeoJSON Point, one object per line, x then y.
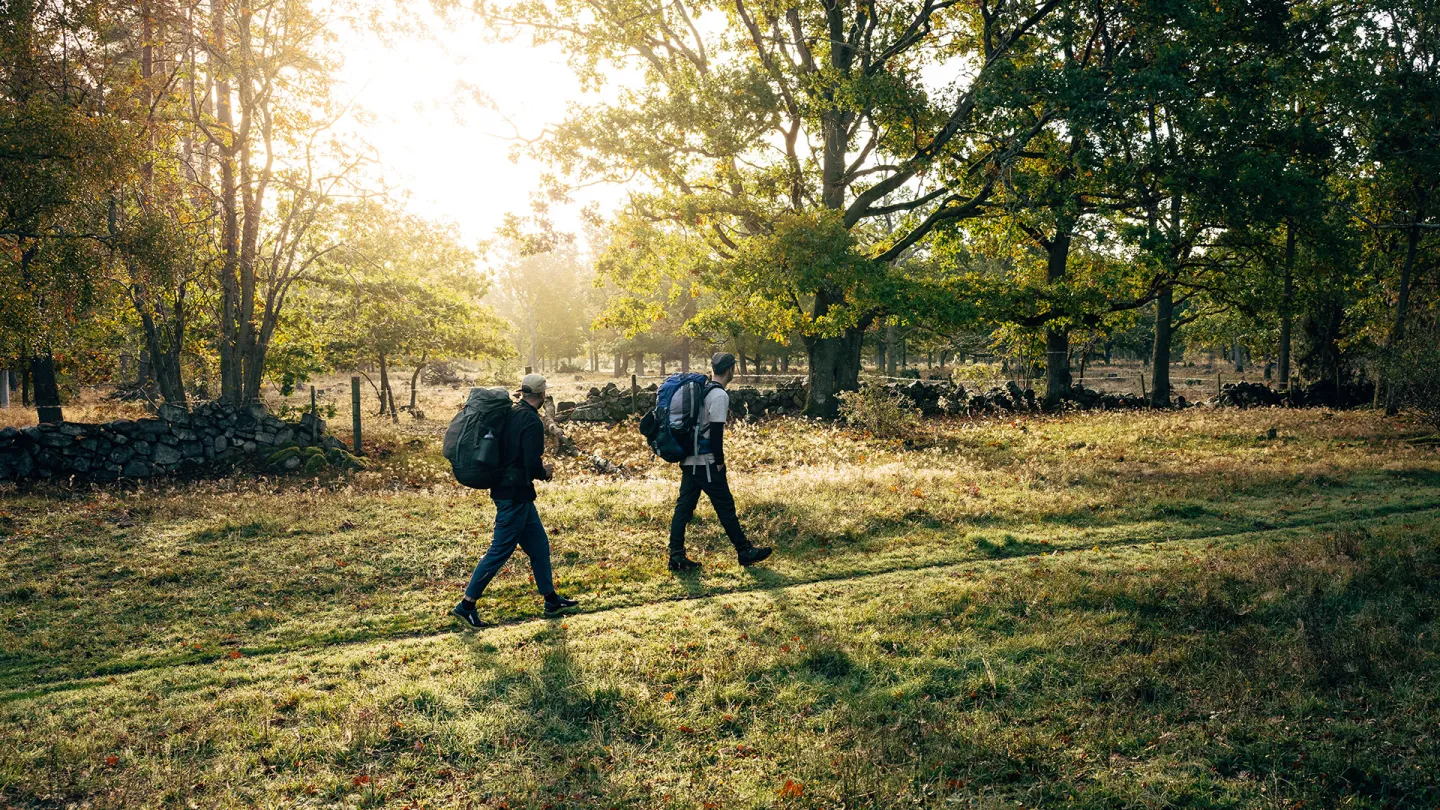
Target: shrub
{"type": "Point", "coordinates": [1412, 373]}
{"type": "Point", "coordinates": [980, 374]}
{"type": "Point", "coordinates": [877, 409]}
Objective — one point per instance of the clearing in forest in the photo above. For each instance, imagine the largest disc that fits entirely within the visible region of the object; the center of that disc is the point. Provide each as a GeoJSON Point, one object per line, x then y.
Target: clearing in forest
{"type": "Point", "coordinates": [1203, 608]}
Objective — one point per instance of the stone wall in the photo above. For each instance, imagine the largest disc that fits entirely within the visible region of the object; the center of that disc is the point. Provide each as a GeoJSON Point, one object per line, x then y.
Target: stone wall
{"type": "Point", "coordinates": [614, 404]}
{"type": "Point", "coordinates": [173, 441]}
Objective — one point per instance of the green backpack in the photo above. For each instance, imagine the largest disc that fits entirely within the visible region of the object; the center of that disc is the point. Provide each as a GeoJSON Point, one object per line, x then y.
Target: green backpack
{"type": "Point", "coordinates": [472, 442]}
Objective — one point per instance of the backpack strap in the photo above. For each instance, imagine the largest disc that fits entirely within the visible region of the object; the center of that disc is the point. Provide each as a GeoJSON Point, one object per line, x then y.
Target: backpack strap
{"type": "Point", "coordinates": [700, 425]}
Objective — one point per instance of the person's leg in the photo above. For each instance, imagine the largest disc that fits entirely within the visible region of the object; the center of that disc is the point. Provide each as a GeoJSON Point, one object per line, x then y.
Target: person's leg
{"type": "Point", "coordinates": [717, 488]}
{"type": "Point", "coordinates": [536, 545]}
{"type": "Point", "coordinates": [684, 509]}
{"type": "Point", "coordinates": [509, 521]}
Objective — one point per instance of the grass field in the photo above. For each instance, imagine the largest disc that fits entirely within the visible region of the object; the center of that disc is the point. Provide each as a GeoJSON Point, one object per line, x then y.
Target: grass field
{"type": "Point", "coordinates": [1105, 610]}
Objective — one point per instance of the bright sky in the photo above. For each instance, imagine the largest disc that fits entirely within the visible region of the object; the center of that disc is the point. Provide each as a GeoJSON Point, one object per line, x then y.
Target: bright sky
{"type": "Point", "coordinates": [436, 142]}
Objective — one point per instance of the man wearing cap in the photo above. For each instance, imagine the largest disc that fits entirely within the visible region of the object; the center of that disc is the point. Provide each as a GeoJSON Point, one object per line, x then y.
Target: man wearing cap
{"type": "Point", "coordinates": [705, 472]}
{"type": "Point", "coordinates": [516, 520]}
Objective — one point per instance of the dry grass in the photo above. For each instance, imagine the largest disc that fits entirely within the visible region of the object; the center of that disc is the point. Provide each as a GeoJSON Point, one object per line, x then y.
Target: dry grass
{"type": "Point", "coordinates": [1106, 610]}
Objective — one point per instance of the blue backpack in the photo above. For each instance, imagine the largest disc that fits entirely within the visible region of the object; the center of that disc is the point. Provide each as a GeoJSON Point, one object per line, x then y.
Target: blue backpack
{"type": "Point", "coordinates": [673, 433]}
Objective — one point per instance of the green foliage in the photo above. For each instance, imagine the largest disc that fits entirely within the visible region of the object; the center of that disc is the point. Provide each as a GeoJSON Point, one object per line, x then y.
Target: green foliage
{"type": "Point", "coordinates": [877, 410]}
{"type": "Point", "coordinates": [1410, 375]}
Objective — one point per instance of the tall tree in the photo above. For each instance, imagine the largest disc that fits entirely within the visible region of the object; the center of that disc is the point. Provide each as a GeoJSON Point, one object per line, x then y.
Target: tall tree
{"type": "Point", "coordinates": [265, 66]}
{"type": "Point", "coordinates": [755, 122]}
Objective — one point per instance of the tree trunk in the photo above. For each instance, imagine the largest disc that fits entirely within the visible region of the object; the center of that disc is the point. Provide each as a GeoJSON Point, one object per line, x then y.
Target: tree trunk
{"type": "Point", "coordinates": [785, 363]}
{"type": "Point", "coordinates": [1407, 270]}
{"type": "Point", "coordinates": [1237, 355]}
{"type": "Point", "coordinates": [144, 370]}
{"type": "Point", "coordinates": [1057, 340]}
{"type": "Point", "coordinates": [743, 368]}
{"type": "Point", "coordinates": [533, 338]}
{"type": "Point", "coordinates": [230, 379]}
{"type": "Point", "coordinates": [415, 380]}
{"type": "Point", "coordinates": [834, 367]}
{"type": "Point", "coordinates": [1164, 333]}
{"type": "Point", "coordinates": [384, 385]}
{"type": "Point", "coordinates": [662, 364]}
{"type": "Point", "coordinates": [639, 364]}
{"type": "Point", "coordinates": [1287, 299]}
{"type": "Point", "coordinates": [25, 384]}
{"type": "Point", "coordinates": [891, 353]}
{"type": "Point", "coordinates": [685, 354]}
{"type": "Point", "coordinates": [47, 388]}
{"type": "Point", "coordinates": [1402, 304]}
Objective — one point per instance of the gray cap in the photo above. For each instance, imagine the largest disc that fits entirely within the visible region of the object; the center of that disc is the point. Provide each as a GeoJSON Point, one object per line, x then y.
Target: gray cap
{"type": "Point", "coordinates": [533, 384]}
{"type": "Point", "coordinates": [722, 362]}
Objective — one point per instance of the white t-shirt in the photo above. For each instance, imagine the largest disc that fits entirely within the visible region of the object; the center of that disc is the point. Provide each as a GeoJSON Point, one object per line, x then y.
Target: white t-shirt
{"type": "Point", "coordinates": [716, 409]}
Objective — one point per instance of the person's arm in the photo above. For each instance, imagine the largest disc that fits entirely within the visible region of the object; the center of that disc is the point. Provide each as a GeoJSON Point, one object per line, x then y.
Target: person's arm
{"type": "Point", "coordinates": [532, 447]}
{"type": "Point", "coordinates": [717, 443]}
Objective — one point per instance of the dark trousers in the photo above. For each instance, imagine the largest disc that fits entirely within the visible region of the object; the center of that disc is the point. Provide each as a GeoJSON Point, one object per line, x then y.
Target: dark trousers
{"type": "Point", "coordinates": [693, 481]}
{"type": "Point", "coordinates": [517, 523]}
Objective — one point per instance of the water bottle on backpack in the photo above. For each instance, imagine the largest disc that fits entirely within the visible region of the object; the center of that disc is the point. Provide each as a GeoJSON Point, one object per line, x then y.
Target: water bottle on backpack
{"type": "Point", "coordinates": [472, 441]}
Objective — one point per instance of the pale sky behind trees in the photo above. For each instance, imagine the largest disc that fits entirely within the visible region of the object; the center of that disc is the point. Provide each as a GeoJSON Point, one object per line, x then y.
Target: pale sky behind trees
{"type": "Point", "coordinates": [440, 144]}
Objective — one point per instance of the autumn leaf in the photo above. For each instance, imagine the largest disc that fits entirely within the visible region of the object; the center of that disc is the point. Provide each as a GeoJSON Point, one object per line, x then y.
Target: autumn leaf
{"type": "Point", "coordinates": [235, 653]}
{"type": "Point", "coordinates": [361, 780]}
{"type": "Point", "coordinates": [792, 789]}
{"type": "Point", "coordinates": [111, 761]}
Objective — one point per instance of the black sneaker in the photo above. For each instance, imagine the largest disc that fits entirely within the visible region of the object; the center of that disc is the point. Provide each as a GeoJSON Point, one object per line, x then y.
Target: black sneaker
{"type": "Point", "coordinates": [679, 562]}
{"type": "Point", "coordinates": [753, 555]}
{"type": "Point", "coordinates": [555, 603]}
{"type": "Point", "coordinates": [469, 615]}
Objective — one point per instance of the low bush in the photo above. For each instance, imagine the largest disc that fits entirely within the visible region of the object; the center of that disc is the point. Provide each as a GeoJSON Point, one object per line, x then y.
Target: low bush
{"type": "Point", "coordinates": [881, 412]}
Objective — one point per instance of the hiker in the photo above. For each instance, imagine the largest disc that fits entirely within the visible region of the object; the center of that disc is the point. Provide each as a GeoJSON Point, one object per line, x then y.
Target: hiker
{"type": "Point", "coordinates": [522, 443]}
{"type": "Point", "coordinates": [704, 471]}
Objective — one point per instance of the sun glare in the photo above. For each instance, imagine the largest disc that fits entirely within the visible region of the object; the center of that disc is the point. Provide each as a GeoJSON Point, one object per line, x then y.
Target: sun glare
{"type": "Point", "coordinates": [443, 112]}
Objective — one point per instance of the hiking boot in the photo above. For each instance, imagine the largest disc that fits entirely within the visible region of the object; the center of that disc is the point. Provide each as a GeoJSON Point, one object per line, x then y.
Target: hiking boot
{"type": "Point", "coordinates": [679, 563]}
{"type": "Point", "coordinates": [469, 615]}
{"type": "Point", "coordinates": [555, 603]}
{"type": "Point", "coordinates": [753, 555]}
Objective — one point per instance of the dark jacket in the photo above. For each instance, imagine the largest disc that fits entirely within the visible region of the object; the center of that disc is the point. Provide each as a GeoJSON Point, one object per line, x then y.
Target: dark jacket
{"type": "Point", "coordinates": [522, 448]}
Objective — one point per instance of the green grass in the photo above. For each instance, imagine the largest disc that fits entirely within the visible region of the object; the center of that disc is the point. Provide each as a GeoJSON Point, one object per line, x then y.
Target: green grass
{"type": "Point", "coordinates": [1108, 610]}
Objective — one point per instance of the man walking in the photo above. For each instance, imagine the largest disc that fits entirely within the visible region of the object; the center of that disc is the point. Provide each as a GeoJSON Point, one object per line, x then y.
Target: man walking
{"type": "Point", "coordinates": [516, 520]}
{"type": "Point", "coordinates": [705, 472]}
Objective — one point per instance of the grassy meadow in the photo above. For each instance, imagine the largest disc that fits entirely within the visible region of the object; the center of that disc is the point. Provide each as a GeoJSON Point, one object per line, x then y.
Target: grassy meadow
{"type": "Point", "coordinates": [1195, 609]}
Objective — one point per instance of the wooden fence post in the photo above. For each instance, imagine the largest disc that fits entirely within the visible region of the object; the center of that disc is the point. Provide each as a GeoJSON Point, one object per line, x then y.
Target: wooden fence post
{"type": "Point", "coordinates": [355, 416]}
{"type": "Point", "coordinates": [1217, 384]}
{"type": "Point", "coordinates": [634, 389]}
{"type": "Point", "coordinates": [314, 432]}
